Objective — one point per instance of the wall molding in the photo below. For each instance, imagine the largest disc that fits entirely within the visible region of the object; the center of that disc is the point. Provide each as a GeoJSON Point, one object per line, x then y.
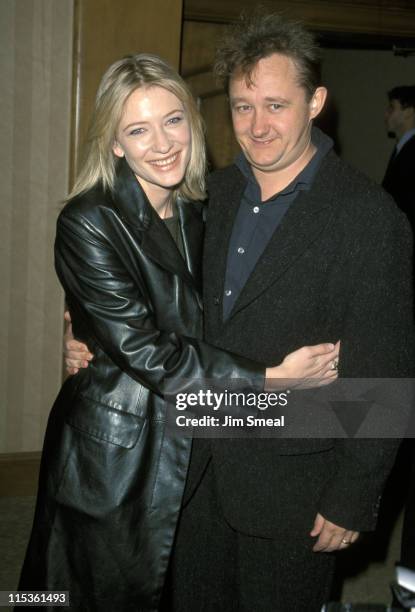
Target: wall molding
{"type": "Point", "coordinates": [393, 18]}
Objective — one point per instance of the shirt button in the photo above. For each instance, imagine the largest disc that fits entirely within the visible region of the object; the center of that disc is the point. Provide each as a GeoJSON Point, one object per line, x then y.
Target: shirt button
{"type": "Point", "coordinates": [228, 292]}
{"type": "Point", "coordinates": [216, 301]}
{"type": "Point", "coordinates": [256, 209]}
{"type": "Point", "coordinates": [241, 250]}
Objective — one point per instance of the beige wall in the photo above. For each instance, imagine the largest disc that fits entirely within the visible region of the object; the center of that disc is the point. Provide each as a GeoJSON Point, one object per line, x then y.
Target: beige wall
{"type": "Point", "coordinates": [198, 52]}
{"type": "Point", "coordinates": [35, 72]}
{"type": "Point", "coordinates": [105, 31]}
{"type": "Point", "coordinates": [358, 82]}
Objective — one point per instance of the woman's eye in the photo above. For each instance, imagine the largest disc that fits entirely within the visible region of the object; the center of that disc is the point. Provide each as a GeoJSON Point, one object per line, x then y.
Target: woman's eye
{"type": "Point", "coordinates": [174, 120]}
{"type": "Point", "coordinates": [137, 131]}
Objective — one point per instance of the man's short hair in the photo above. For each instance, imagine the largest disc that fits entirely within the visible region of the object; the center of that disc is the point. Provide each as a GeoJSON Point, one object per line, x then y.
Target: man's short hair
{"type": "Point", "coordinates": [405, 94]}
{"type": "Point", "coordinates": [258, 36]}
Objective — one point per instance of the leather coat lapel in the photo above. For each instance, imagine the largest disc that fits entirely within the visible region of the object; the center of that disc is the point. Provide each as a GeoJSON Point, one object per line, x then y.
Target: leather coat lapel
{"type": "Point", "coordinates": [192, 228]}
{"type": "Point", "coordinates": [149, 231]}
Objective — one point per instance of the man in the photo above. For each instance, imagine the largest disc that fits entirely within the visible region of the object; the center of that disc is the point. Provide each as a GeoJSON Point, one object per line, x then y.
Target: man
{"type": "Point", "coordinates": [400, 122]}
{"type": "Point", "coordinates": [400, 183]}
{"type": "Point", "coordinates": [298, 247]}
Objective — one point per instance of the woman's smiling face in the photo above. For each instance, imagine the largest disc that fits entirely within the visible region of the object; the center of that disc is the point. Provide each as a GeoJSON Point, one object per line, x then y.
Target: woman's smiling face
{"type": "Point", "coordinates": [154, 137]}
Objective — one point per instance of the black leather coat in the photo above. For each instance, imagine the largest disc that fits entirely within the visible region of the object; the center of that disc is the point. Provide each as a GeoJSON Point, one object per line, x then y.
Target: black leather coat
{"type": "Point", "coordinates": [112, 476]}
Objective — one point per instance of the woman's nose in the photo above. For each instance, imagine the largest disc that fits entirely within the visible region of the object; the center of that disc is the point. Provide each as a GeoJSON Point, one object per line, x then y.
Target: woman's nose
{"type": "Point", "coordinates": [162, 141]}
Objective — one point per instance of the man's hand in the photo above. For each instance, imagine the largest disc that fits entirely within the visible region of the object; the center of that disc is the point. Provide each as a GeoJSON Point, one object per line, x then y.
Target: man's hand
{"type": "Point", "coordinates": [330, 536]}
{"type": "Point", "coordinates": [76, 353]}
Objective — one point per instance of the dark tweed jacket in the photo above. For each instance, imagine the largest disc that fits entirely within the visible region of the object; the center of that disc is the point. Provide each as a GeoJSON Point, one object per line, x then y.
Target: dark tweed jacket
{"type": "Point", "coordinates": [338, 266]}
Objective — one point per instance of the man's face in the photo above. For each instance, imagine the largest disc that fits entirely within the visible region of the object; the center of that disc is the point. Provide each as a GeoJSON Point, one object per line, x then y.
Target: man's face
{"type": "Point", "coordinates": [395, 117]}
{"type": "Point", "coordinates": [271, 115]}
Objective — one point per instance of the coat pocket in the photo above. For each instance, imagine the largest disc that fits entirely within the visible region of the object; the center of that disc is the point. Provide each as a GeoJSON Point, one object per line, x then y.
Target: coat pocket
{"type": "Point", "coordinates": [108, 464]}
{"type": "Point", "coordinates": [105, 422]}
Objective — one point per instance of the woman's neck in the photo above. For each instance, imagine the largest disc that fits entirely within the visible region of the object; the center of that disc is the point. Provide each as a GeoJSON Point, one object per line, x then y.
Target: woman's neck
{"type": "Point", "coordinates": [161, 199]}
{"type": "Point", "coordinates": [164, 208]}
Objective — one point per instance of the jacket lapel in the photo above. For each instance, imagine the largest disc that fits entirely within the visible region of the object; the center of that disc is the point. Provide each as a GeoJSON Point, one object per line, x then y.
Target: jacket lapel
{"type": "Point", "coordinates": [303, 223]}
{"type": "Point", "coordinates": [224, 199]}
{"type": "Point", "coordinates": [305, 220]}
{"type": "Point", "coordinates": [149, 231]}
{"type": "Point", "coordinates": [192, 228]}
{"type": "Point", "coordinates": [406, 147]}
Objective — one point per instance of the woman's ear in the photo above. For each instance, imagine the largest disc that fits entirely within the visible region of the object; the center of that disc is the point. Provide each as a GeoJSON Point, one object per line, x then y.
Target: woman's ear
{"type": "Point", "coordinates": [117, 149]}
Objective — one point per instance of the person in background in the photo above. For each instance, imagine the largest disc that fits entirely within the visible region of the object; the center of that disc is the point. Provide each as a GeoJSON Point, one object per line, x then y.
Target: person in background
{"type": "Point", "coordinates": [399, 179]}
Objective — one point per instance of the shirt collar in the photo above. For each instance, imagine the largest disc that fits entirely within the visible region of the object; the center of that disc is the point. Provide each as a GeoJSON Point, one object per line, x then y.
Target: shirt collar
{"type": "Point", "coordinates": [407, 136]}
{"type": "Point", "coordinates": [303, 180]}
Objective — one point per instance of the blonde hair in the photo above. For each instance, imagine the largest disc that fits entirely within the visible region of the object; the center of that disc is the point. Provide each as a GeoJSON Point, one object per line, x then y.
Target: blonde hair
{"type": "Point", "coordinates": [119, 81]}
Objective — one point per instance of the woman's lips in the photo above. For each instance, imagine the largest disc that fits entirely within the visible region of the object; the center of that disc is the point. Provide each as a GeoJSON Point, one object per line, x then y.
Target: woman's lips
{"type": "Point", "coordinates": [166, 163]}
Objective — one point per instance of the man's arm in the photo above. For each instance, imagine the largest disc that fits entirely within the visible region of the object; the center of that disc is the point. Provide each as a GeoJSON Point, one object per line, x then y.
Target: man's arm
{"type": "Point", "coordinates": [331, 537]}
{"type": "Point", "coordinates": [76, 353]}
{"type": "Point", "coordinates": [117, 316]}
{"type": "Point", "coordinates": [377, 342]}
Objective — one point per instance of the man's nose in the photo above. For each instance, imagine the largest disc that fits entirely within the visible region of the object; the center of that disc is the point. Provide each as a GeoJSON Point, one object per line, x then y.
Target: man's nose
{"type": "Point", "coordinates": [260, 124]}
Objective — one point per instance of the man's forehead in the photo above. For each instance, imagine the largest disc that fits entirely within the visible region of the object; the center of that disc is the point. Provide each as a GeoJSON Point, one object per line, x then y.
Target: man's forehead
{"type": "Point", "coordinates": [276, 68]}
{"type": "Point", "coordinates": [273, 76]}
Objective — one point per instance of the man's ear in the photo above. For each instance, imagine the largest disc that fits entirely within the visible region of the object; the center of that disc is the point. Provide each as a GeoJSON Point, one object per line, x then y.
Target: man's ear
{"type": "Point", "coordinates": [117, 149]}
{"type": "Point", "coordinates": [409, 114]}
{"type": "Point", "coordinates": [317, 102]}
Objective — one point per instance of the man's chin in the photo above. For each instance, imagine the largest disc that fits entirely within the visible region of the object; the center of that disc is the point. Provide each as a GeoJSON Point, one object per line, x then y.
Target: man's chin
{"type": "Point", "coordinates": [266, 166]}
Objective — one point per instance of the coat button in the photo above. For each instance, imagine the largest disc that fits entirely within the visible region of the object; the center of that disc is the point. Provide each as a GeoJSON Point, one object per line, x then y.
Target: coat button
{"type": "Point", "coordinates": [216, 300]}
{"type": "Point", "coordinates": [376, 506]}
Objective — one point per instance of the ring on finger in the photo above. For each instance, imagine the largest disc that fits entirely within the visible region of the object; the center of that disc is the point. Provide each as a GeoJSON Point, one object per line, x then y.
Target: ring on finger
{"type": "Point", "coordinates": [345, 542]}
{"type": "Point", "coordinates": [334, 364]}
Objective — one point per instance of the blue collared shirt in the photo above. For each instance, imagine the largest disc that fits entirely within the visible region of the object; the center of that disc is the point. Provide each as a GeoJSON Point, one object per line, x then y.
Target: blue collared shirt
{"type": "Point", "coordinates": [402, 141]}
{"type": "Point", "coordinates": [256, 221]}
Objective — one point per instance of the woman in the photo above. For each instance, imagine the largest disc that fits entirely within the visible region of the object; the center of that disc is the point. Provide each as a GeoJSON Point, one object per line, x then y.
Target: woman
{"type": "Point", "coordinates": [127, 254]}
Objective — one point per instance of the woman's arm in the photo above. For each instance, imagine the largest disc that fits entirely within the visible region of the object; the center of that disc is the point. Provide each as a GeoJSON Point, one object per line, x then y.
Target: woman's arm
{"type": "Point", "coordinates": [311, 365]}
{"type": "Point", "coordinates": [109, 303]}
{"type": "Point", "coordinates": [120, 320]}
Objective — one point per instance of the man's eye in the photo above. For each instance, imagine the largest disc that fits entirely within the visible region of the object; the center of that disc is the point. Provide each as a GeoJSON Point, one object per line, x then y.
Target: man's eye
{"type": "Point", "coordinates": [275, 106]}
{"type": "Point", "coordinates": [243, 108]}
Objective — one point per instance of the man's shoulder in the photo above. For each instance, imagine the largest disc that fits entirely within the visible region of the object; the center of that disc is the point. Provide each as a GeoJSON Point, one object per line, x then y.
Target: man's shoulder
{"type": "Point", "coordinates": [407, 153]}
{"type": "Point", "coordinates": [347, 174]}
{"type": "Point", "coordinates": [351, 189]}
{"type": "Point", "coordinates": [410, 143]}
{"type": "Point", "coordinates": [224, 175]}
